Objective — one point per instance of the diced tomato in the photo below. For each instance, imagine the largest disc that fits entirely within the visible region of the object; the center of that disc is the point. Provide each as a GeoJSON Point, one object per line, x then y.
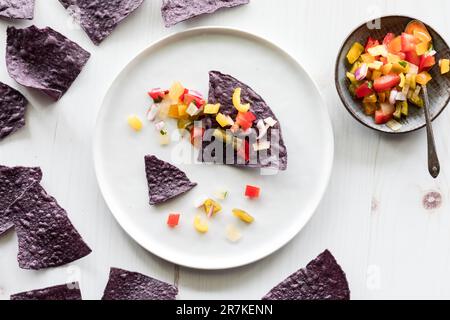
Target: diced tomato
{"type": "Point", "coordinates": [395, 45]}
{"type": "Point", "coordinates": [252, 192]}
{"type": "Point", "coordinates": [426, 63]}
{"type": "Point", "coordinates": [386, 82]}
{"type": "Point", "coordinates": [245, 120]}
{"type": "Point", "coordinates": [186, 91]}
{"type": "Point", "coordinates": [412, 57]}
{"type": "Point", "coordinates": [388, 38]}
{"type": "Point", "coordinates": [364, 90]}
{"type": "Point", "coordinates": [244, 151]}
{"type": "Point", "coordinates": [371, 42]}
{"type": "Point", "coordinates": [384, 114]}
{"type": "Point", "coordinates": [384, 60]}
{"type": "Point", "coordinates": [158, 94]}
{"type": "Point", "coordinates": [408, 42]}
{"type": "Point", "coordinates": [197, 135]}
{"type": "Point", "coordinates": [173, 220]}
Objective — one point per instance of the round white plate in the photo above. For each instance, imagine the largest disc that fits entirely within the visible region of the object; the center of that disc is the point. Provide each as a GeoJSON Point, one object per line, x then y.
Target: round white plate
{"type": "Point", "coordinates": [288, 199]}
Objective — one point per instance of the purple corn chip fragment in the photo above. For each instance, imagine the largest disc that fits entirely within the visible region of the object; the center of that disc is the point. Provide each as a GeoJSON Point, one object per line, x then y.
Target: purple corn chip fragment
{"type": "Point", "coordinates": [13, 106]}
{"type": "Point", "coordinates": [221, 89]}
{"type": "Point", "coordinates": [176, 11]}
{"type": "Point", "coordinates": [17, 9]}
{"type": "Point", "coordinates": [69, 291]}
{"type": "Point", "coordinates": [47, 238]}
{"type": "Point", "coordinates": [14, 183]}
{"type": "Point", "coordinates": [322, 279]}
{"type": "Point", "coordinates": [99, 18]}
{"type": "Point", "coordinates": [126, 285]}
{"type": "Point", "coordinates": [44, 59]}
{"type": "Point", "coordinates": [165, 181]}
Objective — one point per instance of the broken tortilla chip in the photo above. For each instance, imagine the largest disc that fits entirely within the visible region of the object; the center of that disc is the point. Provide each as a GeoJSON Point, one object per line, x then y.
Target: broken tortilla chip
{"type": "Point", "coordinates": [126, 285]}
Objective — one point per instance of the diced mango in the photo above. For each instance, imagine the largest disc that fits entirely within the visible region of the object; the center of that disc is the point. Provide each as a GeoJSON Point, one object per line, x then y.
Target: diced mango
{"type": "Point", "coordinates": [369, 108]}
{"type": "Point", "coordinates": [173, 112]}
{"type": "Point", "coordinates": [212, 108]}
{"type": "Point", "coordinates": [224, 120]}
{"type": "Point", "coordinates": [135, 123]}
{"type": "Point", "coordinates": [423, 78]}
{"type": "Point", "coordinates": [445, 66]}
{"type": "Point", "coordinates": [367, 58]}
{"type": "Point", "coordinates": [376, 74]}
{"type": "Point", "coordinates": [370, 98]}
{"type": "Point", "coordinates": [200, 225]}
{"type": "Point", "coordinates": [175, 92]}
{"type": "Point", "coordinates": [242, 215]}
{"type": "Point", "coordinates": [182, 108]}
{"type": "Point", "coordinates": [422, 48]}
{"type": "Point", "coordinates": [386, 69]}
{"type": "Point", "coordinates": [355, 52]}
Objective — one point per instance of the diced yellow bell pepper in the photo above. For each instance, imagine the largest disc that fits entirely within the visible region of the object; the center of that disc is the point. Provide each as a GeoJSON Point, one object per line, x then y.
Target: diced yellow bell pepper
{"type": "Point", "coordinates": [211, 204]}
{"type": "Point", "coordinates": [224, 120]}
{"type": "Point", "coordinates": [212, 108]}
{"type": "Point", "coordinates": [367, 58]}
{"type": "Point", "coordinates": [351, 77]}
{"type": "Point", "coordinates": [445, 66]}
{"type": "Point", "coordinates": [355, 67]}
{"type": "Point", "coordinates": [423, 78]}
{"type": "Point", "coordinates": [237, 101]}
{"type": "Point", "coordinates": [398, 68]}
{"type": "Point", "coordinates": [422, 48]}
{"type": "Point", "coordinates": [376, 74]}
{"type": "Point", "coordinates": [402, 80]}
{"type": "Point", "coordinates": [386, 69]}
{"type": "Point", "coordinates": [244, 216]}
{"type": "Point", "coordinates": [200, 225]}
{"type": "Point", "coordinates": [175, 92]}
{"type": "Point", "coordinates": [412, 82]}
{"type": "Point", "coordinates": [355, 52]}
{"type": "Point", "coordinates": [135, 123]}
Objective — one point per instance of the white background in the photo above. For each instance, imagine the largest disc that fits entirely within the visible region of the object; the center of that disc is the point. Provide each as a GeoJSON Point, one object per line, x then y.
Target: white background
{"type": "Point", "coordinates": [371, 218]}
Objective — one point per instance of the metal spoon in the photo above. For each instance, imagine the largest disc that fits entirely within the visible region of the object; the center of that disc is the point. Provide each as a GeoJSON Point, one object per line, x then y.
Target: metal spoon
{"type": "Point", "coordinates": [434, 166]}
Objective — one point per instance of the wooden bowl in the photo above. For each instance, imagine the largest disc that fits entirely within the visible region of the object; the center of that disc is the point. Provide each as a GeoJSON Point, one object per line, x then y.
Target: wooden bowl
{"type": "Point", "coordinates": [438, 88]}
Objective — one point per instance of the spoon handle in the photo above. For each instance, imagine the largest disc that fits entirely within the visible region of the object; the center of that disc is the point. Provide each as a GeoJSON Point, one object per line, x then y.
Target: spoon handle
{"type": "Point", "coordinates": [434, 166]}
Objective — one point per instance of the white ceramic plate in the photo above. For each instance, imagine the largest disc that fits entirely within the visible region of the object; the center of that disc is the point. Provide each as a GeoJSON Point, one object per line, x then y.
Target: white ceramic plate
{"type": "Point", "coordinates": [288, 200]}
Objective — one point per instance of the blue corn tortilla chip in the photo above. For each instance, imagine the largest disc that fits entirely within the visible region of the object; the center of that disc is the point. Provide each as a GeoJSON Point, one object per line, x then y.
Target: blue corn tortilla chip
{"type": "Point", "coordinates": [322, 279]}
{"type": "Point", "coordinates": [17, 9]}
{"type": "Point", "coordinates": [47, 238]}
{"type": "Point", "coordinates": [126, 285]}
{"type": "Point", "coordinates": [176, 11]}
{"type": "Point", "coordinates": [44, 59]}
{"type": "Point", "coordinates": [221, 89]}
{"type": "Point", "coordinates": [165, 181]}
{"type": "Point", "coordinates": [69, 291]}
{"type": "Point", "coordinates": [100, 18]}
{"type": "Point", "coordinates": [13, 106]}
{"type": "Point", "coordinates": [14, 183]}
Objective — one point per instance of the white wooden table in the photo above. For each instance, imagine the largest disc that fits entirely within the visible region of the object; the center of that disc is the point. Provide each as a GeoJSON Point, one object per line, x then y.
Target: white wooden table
{"type": "Point", "coordinates": [372, 217]}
